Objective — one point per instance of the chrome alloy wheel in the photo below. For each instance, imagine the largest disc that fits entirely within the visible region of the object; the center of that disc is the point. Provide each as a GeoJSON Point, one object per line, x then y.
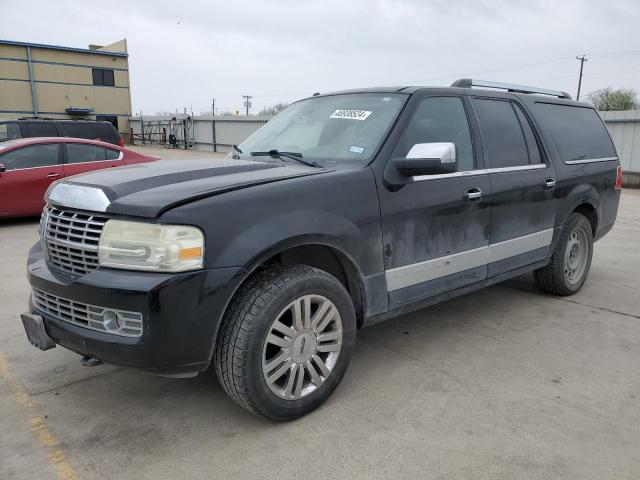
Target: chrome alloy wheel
{"type": "Point", "coordinates": [576, 255]}
{"type": "Point", "coordinates": [302, 347]}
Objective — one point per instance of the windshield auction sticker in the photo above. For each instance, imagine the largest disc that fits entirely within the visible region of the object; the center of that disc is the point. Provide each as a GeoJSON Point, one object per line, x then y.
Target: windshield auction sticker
{"type": "Point", "coordinates": [351, 114]}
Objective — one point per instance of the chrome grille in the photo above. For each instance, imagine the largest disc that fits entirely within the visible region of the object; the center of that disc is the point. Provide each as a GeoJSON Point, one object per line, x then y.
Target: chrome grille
{"type": "Point", "coordinates": [129, 324]}
{"type": "Point", "coordinates": [70, 239]}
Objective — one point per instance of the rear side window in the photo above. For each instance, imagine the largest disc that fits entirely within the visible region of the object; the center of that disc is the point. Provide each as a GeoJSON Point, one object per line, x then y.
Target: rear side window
{"type": "Point", "coordinates": [578, 132]}
{"type": "Point", "coordinates": [42, 129]}
{"type": "Point", "coordinates": [31, 157]}
{"type": "Point", "coordinates": [79, 130]}
{"type": "Point", "coordinates": [92, 130]}
{"type": "Point", "coordinates": [503, 133]}
{"type": "Point", "coordinates": [80, 153]}
{"type": "Point", "coordinates": [9, 131]}
{"type": "Point", "coordinates": [112, 154]}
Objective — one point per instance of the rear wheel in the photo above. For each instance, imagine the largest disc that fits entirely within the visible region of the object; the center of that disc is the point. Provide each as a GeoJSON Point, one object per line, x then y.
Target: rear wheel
{"type": "Point", "coordinates": [285, 341]}
{"type": "Point", "coordinates": [571, 260]}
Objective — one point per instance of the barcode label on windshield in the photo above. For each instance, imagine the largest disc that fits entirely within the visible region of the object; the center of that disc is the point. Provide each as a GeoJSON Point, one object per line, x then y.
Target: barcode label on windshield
{"type": "Point", "coordinates": [351, 114]}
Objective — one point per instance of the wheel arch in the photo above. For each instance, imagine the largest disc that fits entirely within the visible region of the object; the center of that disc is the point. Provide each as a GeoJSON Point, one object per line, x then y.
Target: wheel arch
{"type": "Point", "coordinates": [583, 199]}
{"type": "Point", "coordinates": [322, 252]}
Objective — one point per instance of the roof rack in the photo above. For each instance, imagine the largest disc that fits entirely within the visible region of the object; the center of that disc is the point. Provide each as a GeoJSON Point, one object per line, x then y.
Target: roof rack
{"type": "Point", "coordinates": [469, 83]}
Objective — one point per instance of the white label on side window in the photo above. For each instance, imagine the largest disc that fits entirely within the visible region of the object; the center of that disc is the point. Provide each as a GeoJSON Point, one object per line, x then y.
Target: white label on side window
{"type": "Point", "coordinates": [351, 114]}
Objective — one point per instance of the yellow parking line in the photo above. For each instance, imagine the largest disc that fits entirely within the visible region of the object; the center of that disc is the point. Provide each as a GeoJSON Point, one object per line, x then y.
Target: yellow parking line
{"type": "Point", "coordinates": [38, 425]}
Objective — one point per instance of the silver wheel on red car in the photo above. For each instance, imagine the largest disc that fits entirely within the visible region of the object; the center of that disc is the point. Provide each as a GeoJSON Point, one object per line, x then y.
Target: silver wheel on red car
{"type": "Point", "coordinates": [285, 341]}
{"type": "Point", "coordinates": [302, 347]}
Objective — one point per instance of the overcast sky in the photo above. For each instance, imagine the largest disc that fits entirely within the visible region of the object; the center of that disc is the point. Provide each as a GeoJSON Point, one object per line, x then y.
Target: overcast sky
{"type": "Point", "coordinates": [182, 54]}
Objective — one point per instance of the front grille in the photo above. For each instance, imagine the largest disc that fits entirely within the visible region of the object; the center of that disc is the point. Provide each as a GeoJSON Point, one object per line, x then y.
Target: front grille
{"type": "Point", "coordinates": [71, 238]}
{"type": "Point", "coordinates": [117, 322]}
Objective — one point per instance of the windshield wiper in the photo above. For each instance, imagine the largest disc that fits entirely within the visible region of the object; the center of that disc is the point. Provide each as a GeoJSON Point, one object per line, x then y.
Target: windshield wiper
{"type": "Point", "coordinates": [292, 155]}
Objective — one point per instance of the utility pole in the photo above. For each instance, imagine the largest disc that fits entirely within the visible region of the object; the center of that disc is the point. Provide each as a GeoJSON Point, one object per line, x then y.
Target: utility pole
{"type": "Point", "coordinates": [247, 102]}
{"type": "Point", "coordinates": [213, 124]}
{"type": "Point", "coordinates": [583, 58]}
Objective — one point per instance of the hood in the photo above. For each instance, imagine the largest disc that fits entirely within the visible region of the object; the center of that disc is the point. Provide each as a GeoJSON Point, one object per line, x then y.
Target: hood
{"type": "Point", "coordinates": [149, 189]}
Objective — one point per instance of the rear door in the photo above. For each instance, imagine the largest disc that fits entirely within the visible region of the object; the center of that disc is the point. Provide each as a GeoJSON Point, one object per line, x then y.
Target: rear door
{"type": "Point", "coordinates": [81, 157]}
{"type": "Point", "coordinates": [29, 172]}
{"type": "Point", "coordinates": [522, 183]}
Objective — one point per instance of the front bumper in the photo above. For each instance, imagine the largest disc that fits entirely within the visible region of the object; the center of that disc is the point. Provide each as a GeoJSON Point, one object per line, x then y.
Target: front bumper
{"type": "Point", "coordinates": [181, 313]}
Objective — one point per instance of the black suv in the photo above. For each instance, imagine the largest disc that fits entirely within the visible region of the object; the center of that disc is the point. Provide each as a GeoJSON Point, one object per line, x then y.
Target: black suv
{"type": "Point", "coordinates": [34, 127]}
{"type": "Point", "coordinates": [344, 210]}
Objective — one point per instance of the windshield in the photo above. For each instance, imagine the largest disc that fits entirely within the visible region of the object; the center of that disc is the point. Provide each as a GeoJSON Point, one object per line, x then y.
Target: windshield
{"type": "Point", "coordinates": [332, 130]}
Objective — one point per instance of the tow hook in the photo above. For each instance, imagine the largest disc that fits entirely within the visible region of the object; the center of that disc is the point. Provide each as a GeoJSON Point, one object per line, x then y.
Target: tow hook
{"type": "Point", "coordinates": [89, 361]}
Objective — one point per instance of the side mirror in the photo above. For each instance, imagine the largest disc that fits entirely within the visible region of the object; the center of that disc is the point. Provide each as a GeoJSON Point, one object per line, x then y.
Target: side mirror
{"type": "Point", "coordinates": [429, 159]}
{"type": "Point", "coordinates": [3, 168]}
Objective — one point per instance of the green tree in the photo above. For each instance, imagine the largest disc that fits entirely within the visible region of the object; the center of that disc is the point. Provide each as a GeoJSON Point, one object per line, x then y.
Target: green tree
{"type": "Point", "coordinates": [607, 99]}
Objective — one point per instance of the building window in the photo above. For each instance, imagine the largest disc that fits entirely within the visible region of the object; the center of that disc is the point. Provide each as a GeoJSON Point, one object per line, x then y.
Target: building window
{"type": "Point", "coordinates": [103, 76]}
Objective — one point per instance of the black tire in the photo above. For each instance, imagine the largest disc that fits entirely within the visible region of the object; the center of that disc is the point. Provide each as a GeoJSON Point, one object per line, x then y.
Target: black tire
{"type": "Point", "coordinates": [553, 278]}
{"type": "Point", "coordinates": [241, 339]}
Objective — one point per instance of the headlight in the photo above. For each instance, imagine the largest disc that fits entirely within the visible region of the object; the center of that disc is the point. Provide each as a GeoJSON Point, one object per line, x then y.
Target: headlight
{"type": "Point", "coordinates": [149, 246]}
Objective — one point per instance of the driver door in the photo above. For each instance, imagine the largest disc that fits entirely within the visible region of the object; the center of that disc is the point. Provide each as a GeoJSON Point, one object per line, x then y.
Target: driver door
{"type": "Point", "coordinates": [436, 227]}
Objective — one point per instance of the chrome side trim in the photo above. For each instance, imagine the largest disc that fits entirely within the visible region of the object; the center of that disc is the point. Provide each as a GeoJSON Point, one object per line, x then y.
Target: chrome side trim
{"type": "Point", "coordinates": [591, 160]}
{"type": "Point", "coordinates": [516, 246]}
{"type": "Point", "coordinates": [415, 273]}
{"type": "Point", "coordinates": [402, 277]}
{"type": "Point", "coordinates": [484, 171]}
{"type": "Point", "coordinates": [81, 197]}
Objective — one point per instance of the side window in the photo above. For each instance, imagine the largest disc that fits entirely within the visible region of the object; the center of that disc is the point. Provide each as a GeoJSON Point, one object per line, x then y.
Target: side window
{"type": "Point", "coordinates": [439, 119]}
{"type": "Point", "coordinates": [532, 144]}
{"type": "Point", "coordinates": [81, 153]}
{"type": "Point", "coordinates": [9, 131]}
{"type": "Point", "coordinates": [578, 132]}
{"type": "Point", "coordinates": [42, 129]}
{"type": "Point", "coordinates": [80, 129]}
{"type": "Point", "coordinates": [112, 154]}
{"type": "Point", "coordinates": [503, 134]}
{"type": "Point", "coordinates": [31, 157]}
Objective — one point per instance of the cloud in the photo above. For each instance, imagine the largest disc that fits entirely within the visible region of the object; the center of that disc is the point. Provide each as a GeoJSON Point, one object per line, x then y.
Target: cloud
{"type": "Point", "coordinates": [280, 51]}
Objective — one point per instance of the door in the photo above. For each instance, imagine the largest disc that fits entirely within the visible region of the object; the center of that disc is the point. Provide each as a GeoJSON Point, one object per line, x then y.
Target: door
{"type": "Point", "coordinates": [522, 203]}
{"type": "Point", "coordinates": [29, 172]}
{"type": "Point", "coordinates": [436, 227]}
{"type": "Point", "coordinates": [84, 157]}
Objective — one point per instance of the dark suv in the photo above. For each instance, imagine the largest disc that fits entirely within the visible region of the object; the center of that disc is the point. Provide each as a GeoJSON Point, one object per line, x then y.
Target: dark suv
{"type": "Point", "coordinates": [34, 127]}
{"type": "Point", "coordinates": [344, 210]}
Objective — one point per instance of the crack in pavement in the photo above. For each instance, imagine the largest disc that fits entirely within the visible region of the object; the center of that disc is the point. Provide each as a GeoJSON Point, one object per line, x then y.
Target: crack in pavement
{"type": "Point", "coordinates": [74, 382]}
{"type": "Point", "coordinates": [564, 299]}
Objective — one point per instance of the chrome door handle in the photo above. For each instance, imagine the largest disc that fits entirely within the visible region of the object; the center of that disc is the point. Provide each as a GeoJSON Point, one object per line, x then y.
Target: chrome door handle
{"type": "Point", "coordinates": [53, 175]}
{"type": "Point", "coordinates": [550, 182]}
{"type": "Point", "coordinates": [473, 194]}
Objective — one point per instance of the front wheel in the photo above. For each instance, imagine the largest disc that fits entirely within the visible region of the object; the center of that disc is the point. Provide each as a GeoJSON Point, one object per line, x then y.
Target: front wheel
{"type": "Point", "coordinates": [571, 260]}
{"type": "Point", "coordinates": [285, 341]}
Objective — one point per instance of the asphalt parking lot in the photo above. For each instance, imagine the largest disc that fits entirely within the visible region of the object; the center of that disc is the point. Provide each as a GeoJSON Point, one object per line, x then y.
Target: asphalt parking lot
{"type": "Point", "coordinates": [503, 383]}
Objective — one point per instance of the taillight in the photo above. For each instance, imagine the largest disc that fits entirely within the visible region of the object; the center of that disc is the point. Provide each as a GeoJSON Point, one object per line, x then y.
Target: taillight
{"type": "Point", "coordinates": [619, 178]}
{"type": "Point", "coordinates": [121, 143]}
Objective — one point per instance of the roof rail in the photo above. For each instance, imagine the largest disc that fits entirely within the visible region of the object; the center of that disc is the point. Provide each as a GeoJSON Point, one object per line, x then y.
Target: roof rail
{"type": "Point", "coordinates": [509, 87]}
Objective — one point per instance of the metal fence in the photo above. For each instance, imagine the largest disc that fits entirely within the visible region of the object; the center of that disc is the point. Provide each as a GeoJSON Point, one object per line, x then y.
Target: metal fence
{"type": "Point", "coordinates": [220, 133]}
{"type": "Point", "coordinates": [625, 131]}
{"type": "Point", "coordinates": [214, 134]}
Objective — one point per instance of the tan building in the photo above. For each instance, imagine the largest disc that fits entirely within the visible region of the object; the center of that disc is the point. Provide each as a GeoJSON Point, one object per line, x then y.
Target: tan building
{"type": "Point", "coordinates": [63, 82]}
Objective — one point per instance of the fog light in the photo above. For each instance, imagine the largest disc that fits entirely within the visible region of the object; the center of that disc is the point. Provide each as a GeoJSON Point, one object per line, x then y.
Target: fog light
{"type": "Point", "coordinates": [111, 320]}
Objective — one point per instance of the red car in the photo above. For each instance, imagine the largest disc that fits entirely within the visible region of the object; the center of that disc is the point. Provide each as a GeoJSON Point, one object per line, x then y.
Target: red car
{"type": "Point", "coordinates": [28, 166]}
